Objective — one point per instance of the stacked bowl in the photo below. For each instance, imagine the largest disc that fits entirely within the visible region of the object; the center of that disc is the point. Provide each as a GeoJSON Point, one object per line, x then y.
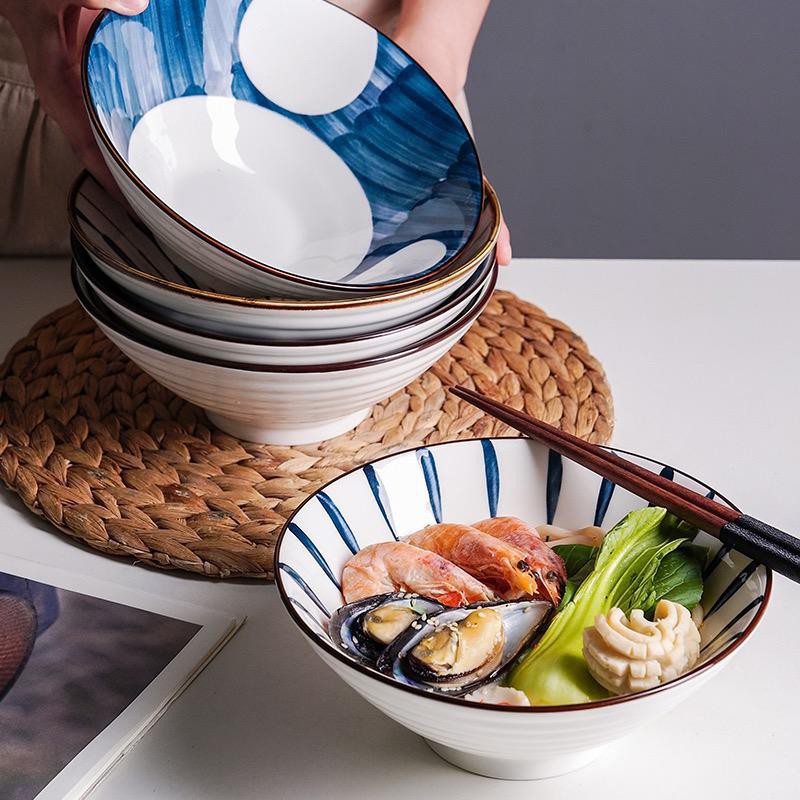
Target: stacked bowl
{"type": "Point", "coordinates": [300, 225]}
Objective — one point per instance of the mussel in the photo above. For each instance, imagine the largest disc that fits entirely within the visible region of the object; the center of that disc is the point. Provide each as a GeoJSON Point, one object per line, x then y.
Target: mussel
{"type": "Point", "coordinates": [365, 628]}
{"type": "Point", "coordinates": [458, 650]}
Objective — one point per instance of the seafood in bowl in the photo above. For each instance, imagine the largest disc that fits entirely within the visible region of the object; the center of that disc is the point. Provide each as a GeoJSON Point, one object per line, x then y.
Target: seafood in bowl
{"type": "Point", "coordinates": [473, 602]}
{"type": "Point", "coordinates": [514, 666]}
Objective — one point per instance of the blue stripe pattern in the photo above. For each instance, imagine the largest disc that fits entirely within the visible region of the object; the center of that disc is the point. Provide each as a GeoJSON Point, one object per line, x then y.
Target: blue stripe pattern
{"type": "Point", "coordinates": [292, 573]}
{"type": "Point", "coordinates": [375, 487]}
{"type": "Point", "coordinates": [315, 553]}
{"type": "Point", "coordinates": [492, 475]}
{"type": "Point", "coordinates": [428, 464]}
{"type": "Point", "coordinates": [297, 604]}
{"type": "Point", "coordinates": [340, 523]}
{"type": "Point", "coordinates": [401, 137]}
{"type": "Point", "coordinates": [743, 613]}
{"type": "Point", "coordinates": [736, 584]}
{"type": "Point", "coordinates": [555, 471]}
{"type": "Point", "coordinates": [716, 560]}
{"type": "Point", "coordinates": [603, 499]}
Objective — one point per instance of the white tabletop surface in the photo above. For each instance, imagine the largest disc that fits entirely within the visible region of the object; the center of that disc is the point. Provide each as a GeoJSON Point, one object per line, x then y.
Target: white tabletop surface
{"type": "Point", "coordinates": [702, 359]}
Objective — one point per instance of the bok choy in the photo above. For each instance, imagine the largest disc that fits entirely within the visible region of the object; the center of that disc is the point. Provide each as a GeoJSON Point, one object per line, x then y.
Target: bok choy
{"type": "Point", "coordinates": [626, 574]}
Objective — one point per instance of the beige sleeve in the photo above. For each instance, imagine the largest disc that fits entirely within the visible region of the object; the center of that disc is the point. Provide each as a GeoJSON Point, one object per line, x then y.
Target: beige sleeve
{"type": "Point", "coordinates": [37, 165]}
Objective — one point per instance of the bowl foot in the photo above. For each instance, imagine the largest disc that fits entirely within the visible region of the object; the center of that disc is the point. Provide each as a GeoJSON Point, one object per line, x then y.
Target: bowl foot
{"type": "Point", "coordinates": [295, 434]}
{"type": "Point", "coordinates": [514, 769]}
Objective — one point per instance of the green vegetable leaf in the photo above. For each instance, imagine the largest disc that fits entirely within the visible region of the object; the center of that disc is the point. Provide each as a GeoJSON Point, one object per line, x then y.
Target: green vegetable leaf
{"type": "Point", "coordinates": [579, 562]}
{"type": "Point", "coordinates": [679, 578]}
{"type": "Point", "coordinates": [625, 570]}
{"type": "Point", "coordinates": [576, 556]}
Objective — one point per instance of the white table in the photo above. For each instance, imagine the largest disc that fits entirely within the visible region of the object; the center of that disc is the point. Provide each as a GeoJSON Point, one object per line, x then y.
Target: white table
{"type": "Point", "coordinates": [702, 358]}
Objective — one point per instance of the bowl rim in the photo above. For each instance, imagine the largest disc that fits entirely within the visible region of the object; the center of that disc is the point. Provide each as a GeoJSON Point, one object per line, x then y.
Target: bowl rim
{"type": "Point", "coordinates": [360, 289]}
{"type": "Point", "coordinates": [491, 202]}
{"type": "Point", "coordinates": [101, 283]}
{"type": "Point", "coordinates": [328, 647]}
{"type": "Point", "coordinates": [101, 315]}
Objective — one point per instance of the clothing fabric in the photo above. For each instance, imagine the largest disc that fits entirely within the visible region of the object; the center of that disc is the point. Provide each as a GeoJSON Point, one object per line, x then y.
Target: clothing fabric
{"type": "Point", "coordinates": [37, 164]}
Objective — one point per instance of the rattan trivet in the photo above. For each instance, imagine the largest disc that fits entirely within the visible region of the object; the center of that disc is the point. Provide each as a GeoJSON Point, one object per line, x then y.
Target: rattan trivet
{"type": "Point", "coordinates": [115, 460]}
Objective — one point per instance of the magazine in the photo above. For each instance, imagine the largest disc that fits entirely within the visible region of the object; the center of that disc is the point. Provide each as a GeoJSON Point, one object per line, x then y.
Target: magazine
{"type": "Point", "coordinates": [86, 667]}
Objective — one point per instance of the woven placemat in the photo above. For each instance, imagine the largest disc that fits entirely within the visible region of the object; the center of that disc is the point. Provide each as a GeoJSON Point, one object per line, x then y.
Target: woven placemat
{"type": "Point", "coordinates": [118, 462]}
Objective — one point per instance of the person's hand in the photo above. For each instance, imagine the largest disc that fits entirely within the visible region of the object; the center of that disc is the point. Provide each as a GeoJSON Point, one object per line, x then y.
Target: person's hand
{"type": "Point", "coordinates": [440, 37]}
{"type": "Point", "coordinates": [52, 34]}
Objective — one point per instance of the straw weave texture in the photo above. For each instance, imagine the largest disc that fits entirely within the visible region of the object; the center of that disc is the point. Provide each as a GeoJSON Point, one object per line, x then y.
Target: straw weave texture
{"type": "Point", "coordinates": [116, 461]}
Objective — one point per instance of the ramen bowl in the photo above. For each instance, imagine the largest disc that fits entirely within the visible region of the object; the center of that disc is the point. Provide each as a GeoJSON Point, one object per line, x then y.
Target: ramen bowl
{"type": "Point", "coordinates": [279, 403]}
{"type": "Point", "coordinates": [123, 248]}
{"type": "Point", "coordinates": [284, 146]}
{"type": "Point", "coordinates": [244, 350]}
{"type": "Point", "coordinates": [466, 481]}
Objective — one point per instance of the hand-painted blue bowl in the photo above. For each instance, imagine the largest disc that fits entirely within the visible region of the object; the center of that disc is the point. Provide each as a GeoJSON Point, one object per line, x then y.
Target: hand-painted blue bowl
{"type": "Point", "coordinates": [283, 144]}
{"type": "Point", "coordinates": [467, 481]}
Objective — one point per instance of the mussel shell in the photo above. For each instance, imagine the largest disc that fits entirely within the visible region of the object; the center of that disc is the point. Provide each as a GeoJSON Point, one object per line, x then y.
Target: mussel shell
{"type": "Point", "coordinates": [521, 621]}
{"type": "Point", "coordinates": [346, 630]}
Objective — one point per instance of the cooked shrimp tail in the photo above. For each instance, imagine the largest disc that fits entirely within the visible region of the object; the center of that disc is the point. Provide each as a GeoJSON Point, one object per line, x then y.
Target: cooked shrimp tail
{"type": "Point", "coordinates": [503, 567]}
{"type": "Point", "coordinates": [547, 564]}
{"type": "Point", "coordinates": [398, 566]}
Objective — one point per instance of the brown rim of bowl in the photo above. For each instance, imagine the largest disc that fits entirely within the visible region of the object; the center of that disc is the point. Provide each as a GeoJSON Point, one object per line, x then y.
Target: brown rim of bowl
{"type": "Point", "coordinates": [108, 145]}
{"type": "Point", "coordinates": [491, 203]}
{"type": "Point", "coordinates": [99, 281]}
{"type": "Point", "coordinates": [101, 315]}
{"type": "Point", "coordinates": [328, 647]}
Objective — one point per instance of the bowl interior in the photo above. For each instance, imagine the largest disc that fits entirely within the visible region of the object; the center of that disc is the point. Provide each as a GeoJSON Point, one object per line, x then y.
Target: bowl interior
{"type": "Point", "coordinates": [185, 96]}
{"type": "Point", "coordinates": [467, 481]}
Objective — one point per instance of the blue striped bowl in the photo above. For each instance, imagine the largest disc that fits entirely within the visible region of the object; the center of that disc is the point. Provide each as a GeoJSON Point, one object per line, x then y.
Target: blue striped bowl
{"type": "Point", "coordinates": [391, 132]}
{"type": "Point", "coordinates": [463, 482]}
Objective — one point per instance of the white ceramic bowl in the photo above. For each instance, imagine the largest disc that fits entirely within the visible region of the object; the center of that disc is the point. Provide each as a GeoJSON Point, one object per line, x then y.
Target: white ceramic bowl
{"type": "Point", "coordinates": [463, 482]}
{"type": "Point", "coordinates": [122, 247]}
{"type": "Point", "coordinates": [180, 333]}
{"type": "Point", "coordinates": [283, 144]}
{"type": "Point", "coordinates": [280, 404]}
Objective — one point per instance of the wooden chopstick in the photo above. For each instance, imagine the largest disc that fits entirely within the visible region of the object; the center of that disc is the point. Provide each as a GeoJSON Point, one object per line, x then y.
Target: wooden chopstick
{"type": "Point", "coordinates": [693, 507]}
{"type": "Point", "coordinates": [760, 541]}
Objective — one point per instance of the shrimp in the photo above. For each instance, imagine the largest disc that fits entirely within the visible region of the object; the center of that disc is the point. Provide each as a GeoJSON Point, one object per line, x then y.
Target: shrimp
{"type": "Point", "coordinates": [541, 557]}
{"type": "Point", "coordinates": [503, 567]}
{"type": "Point", "coordinates": [398, 566]}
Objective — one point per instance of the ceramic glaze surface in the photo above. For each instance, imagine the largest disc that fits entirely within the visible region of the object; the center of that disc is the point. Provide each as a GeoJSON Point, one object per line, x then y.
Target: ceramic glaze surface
{"type": "Point", "coordinates": [325, 74]}
{"type": "Point", "coordinates": [178, 330]}
{"type": "Point", "coordinates": [279, 404]}
{"type": "Point", "coordinates": [294, 202]}
{"type": "Point", "coordinates": [124, 249]}
{"type": "Point", "coordinates": [468, 481]}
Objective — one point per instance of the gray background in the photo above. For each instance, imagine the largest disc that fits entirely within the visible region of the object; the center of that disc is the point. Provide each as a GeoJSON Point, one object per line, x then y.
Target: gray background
{"type": "Point", "coordinates": [642, 129]}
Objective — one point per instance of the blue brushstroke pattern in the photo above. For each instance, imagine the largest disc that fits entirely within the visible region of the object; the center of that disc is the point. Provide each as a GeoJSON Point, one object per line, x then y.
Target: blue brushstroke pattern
{"type": "Point", "coordinates": [375, 487]}
{"type": "Point", "coordinates": [339, 522]}
{"type": "Point", "coordinates": [401, 137]}
{"type": "Point", "coordinates": [428, 464]}
{"type": "Point", "coordinates": [732, 588]}
{"type": "Point", "coordinates": [716, 560]}
{"type": "Point", "coordinates": [293, 574]}
{"type": "Point", "coordinates": [603, 499]}
{"type": "Point", "coordinates": [743, 613]}
{"type": "Point", "coordinates": [303, 538]}
{"type": "Point", "coordinates": [297, 604]}
{"type": "Point", "coordinates": [492, 471]}
{"type": "Point", "coordinates": [555, 471]}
